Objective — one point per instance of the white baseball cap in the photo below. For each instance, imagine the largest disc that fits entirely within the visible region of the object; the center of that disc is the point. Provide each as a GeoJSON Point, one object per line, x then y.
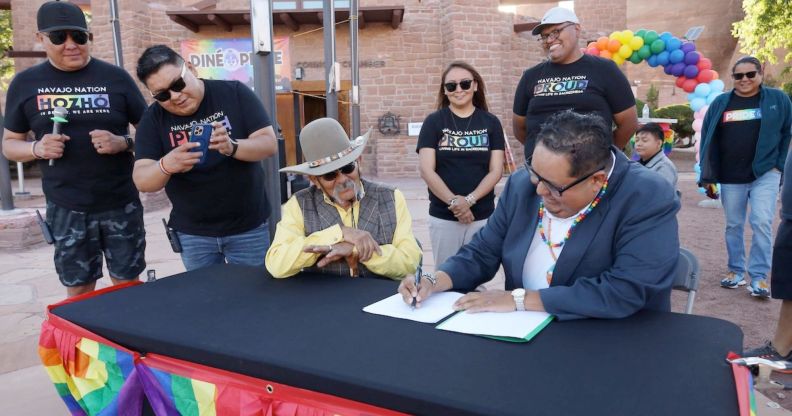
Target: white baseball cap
{"type": "Point", "coordinates": [555, 16]}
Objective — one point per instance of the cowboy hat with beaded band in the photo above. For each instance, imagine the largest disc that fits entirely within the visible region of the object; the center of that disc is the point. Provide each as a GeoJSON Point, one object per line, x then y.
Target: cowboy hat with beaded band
{"type": "Point", "coordinates": [326, 148]}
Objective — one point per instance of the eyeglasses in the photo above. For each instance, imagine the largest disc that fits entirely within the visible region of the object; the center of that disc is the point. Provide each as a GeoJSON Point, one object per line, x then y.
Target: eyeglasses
{"type": "Point", "coordinates": [176, 86]}
{"type": "Point", "coordinates": [553, 35]}
{"type": "Point", "coordinates": [58, 37]}
{"type": "Point", "coordinates": [739, 75]}
{"type": "Point", "coordinates": [557, 191]}
{"type": "Point", "coordinates": [465, 84]}
{"type": "Point", "coordinates": [346, 170]}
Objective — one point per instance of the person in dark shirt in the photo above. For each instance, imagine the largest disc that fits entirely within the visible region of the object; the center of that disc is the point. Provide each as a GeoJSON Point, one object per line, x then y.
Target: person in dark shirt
{"type": "Point", "coordinates": [93, 208]}
{"type": "Point", "coordinates": [460, 149]}
{"type": "Point", "coordinates": [220, 210]}
{"type": "Point", "coordinates": [744, 143]}
{"type": "Point", "coordinates": [569, 79]}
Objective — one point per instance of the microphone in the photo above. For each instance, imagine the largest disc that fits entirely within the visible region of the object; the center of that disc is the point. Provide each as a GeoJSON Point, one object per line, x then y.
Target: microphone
{"type": "Point", "coordinates": [58, 117]}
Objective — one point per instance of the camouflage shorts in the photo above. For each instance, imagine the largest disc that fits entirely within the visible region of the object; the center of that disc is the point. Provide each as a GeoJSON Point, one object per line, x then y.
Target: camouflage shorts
{"type": "Point", "coordinates": [83, 239]}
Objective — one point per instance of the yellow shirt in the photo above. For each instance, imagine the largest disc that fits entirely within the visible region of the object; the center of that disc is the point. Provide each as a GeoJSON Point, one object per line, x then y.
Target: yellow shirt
{"type": "Point", "coordinates": [286, 257]}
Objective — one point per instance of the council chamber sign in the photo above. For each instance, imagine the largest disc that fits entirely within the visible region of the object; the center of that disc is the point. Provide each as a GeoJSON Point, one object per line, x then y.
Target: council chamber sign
{"type": "Point", "coordinates": [232, 59]}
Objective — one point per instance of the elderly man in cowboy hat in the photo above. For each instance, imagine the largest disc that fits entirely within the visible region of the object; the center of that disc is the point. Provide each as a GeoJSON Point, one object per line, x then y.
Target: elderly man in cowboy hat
{"type": "Point", "coordinates": [342, 224]}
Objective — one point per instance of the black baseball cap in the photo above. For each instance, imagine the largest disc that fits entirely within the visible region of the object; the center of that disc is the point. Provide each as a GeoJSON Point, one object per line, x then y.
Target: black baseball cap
{"type": "Point", "coordinates": [60, 15]}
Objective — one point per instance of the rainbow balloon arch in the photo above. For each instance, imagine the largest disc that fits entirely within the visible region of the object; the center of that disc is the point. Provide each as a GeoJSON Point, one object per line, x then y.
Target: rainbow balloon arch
{"type": "Point", "coordinates": [679, 58]}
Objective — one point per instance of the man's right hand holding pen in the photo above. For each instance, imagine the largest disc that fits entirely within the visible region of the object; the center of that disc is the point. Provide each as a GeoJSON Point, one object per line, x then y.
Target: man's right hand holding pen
{"type": "Point", "coordinates": [427, 285]}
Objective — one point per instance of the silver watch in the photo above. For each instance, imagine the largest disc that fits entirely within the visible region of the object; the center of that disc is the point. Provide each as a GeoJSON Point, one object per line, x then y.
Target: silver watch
{"type": "Point", "coordinates": [519, 299]}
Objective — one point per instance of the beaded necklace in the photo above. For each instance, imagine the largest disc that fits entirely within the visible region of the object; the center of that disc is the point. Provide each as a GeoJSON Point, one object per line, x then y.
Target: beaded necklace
{"type": "Point", "coordinates": [582, 216]}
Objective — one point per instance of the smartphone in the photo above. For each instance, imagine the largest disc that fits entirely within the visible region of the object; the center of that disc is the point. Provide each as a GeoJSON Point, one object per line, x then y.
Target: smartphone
{"type": "Point", "coordinates": [201, 133]}
{"type": "Point", "coordinates": [173, 238]}
{"type": "Point", "coordinates": [46, 232]}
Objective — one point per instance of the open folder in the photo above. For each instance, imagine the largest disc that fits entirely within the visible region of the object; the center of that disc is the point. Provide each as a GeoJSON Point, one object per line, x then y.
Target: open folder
{"type": "Point", "coordinates": [510, 326]}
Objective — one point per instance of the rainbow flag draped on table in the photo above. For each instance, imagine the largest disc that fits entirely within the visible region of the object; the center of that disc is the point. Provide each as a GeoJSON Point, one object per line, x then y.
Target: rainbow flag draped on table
{"type": "Point", "coordinates": [95, 376]}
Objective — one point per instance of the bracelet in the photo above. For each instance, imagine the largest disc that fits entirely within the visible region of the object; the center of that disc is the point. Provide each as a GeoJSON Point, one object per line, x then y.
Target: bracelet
{"type": "Point", "coordinates": [470, 199]}
{"type": "Point", "coordinates": [452, 201]}
{"type": "Point", "coordinates": [162, 167]}
{"type": "Point", "coordinates": [33, 150]}
{"type": "Point", "coordinates": [429, 277]}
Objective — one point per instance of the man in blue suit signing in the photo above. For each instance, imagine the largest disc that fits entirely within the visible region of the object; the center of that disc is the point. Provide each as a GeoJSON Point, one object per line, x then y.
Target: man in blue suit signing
{"type": "Point", "coordinates": [583, 232]}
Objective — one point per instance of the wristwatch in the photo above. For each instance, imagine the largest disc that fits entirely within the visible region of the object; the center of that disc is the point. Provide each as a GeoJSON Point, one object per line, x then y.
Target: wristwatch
{"type": "Point", "coordinates": [519, 298]}
{"type": "Point", "coordinates": [130, 143]}
{"type": "Point", "coordinates": [234, 147]}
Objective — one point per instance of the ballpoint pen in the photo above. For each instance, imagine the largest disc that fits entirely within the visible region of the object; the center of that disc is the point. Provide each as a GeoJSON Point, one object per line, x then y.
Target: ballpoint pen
{"type": "Point", "coordinates": [418, 273]}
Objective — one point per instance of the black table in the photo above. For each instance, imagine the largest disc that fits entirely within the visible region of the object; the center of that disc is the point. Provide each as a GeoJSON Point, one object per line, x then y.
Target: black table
{"type": "Point", "coordinates": [309, 331]}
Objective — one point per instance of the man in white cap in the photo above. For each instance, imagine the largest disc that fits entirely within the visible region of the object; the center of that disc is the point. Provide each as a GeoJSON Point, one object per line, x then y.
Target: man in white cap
{"type": "Point", "coordinates": [342, 224]}
{"type": "Point", "coordinates": [569, 79]}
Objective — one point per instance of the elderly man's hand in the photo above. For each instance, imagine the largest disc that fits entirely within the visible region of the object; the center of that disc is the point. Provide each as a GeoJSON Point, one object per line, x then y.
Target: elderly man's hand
{"type": "Point", "coordinates": [331, 252]}
{"type": "Point", "coordinates": [489, 301]}
{"type": "Point", "coordinates": [364, 243]}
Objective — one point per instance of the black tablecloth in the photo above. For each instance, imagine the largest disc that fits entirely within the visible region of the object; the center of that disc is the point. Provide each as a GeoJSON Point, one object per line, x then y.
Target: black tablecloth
{"type": "Point", "coordinates": [309, 331]}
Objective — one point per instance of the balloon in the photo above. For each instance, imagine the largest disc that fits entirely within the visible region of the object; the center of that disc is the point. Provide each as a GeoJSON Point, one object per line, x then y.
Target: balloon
{"type": "Point", "coordinates": [713, 95]}
{"type": "Point", "coordinates": [644, 52]}
{"type": "Point", "coordinates": [635, 58]}
{"type": "Point", "coordinates": [676, 56]}
{"type": "Point", "coordinates": [697, 103]}
{"type": "Point", "coordinates": [715, 74]}
{"type": "Point", "coordinates": [667, 69]}
{"type": "Point", "coordinates": [692, 58]}
{"type": "Point", "coordinates": [704, 63]}
{"type": "Point", "coordinates": [602, 43]}
{"type": "Point", "coordinates": [593, 51]}
{"type": "Point", "coordinates": [673, 44]}
{"type": "Point", "coordinates": [680, 80]}
{"type": "Point", "coordinates": [641, 33]}
{"type": "Point", "coordinates": [688, 47]}
{"type": "Point", "coordinates": [636, 43]}
{"type": "Point", "coordinates": [626, 36]}
{"type": "Point", "coordinates": [605, 54]}
{"type": "Point", "coordinates": [692, 96]}
{"type": "Point", "coordinates": [691, 71]}
{"type": "Point", "coordinates": [625, 51]}
{"type": "Point", "coordinates": [697, 123]}
{"type": "Point", "coordinates": [591, 45]}
{"type": "Point", "coordinates": [650, 37]}
{"type": "Point", "coordinates": [657, 46]}
{"type": "Point", "coordinates": [717, 85]}
{"type": "Point", "coordinates": [662, 58]}
{"type": "Point", "coordinates": [614, 45]}
{"type": "Point", "coordinates": [652, 61]}
{"type": "Point", "coordinates": [703, 110]}
{"type": "Point", "coordinates": [678, 69]}
{"type": "Point", "coordinates": [666, 36]}
{"type": "Point", "coordinates": [689, 85]}
{"type": "Point", "coordinates": [702, 90]}
{"type": "Point", "coordinates": [617, 58]}
{"type": "Point", "coordinates": [705, 75]}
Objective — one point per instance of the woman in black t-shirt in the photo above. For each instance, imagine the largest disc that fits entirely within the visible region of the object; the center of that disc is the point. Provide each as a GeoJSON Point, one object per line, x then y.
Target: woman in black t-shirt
{"type": "Point", "coordinates": [460, 149]}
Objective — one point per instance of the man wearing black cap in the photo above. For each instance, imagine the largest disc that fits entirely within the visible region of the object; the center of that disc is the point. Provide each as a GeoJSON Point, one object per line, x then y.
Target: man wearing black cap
{"type": "Point", "coordinates": [569, 79]}
{"type": "Point", "coordinates": [93, 208]}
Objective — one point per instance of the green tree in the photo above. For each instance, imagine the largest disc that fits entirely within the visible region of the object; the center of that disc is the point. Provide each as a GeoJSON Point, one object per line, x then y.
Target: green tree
{"type": "Point", "coordinates": [766, 27]}
{"type": "Point", "coordinates": [6, 42]}
{"type": "Point", "coordinates": [652, 96]}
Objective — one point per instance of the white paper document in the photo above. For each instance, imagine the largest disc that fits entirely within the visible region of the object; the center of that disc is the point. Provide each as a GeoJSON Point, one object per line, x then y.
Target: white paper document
{"type": "Point", "coordinates": [518, 324]}
{"type": "Point", "coordinates": [433, 309]}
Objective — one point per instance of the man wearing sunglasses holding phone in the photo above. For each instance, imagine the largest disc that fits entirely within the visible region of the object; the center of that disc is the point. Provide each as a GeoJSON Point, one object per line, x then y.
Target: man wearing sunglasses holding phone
{"type": "Point", "coordinates": [343, 224]}
{"type": "Point", "coordinates": [570, 236]}
{"type": "Point", "coordinates": [744, 144]}
{"type": "Point", "coordinates": [219, 211]}
{"type": "Point", "coordinates": [93, 208]}
{"type": "Point", "coordinates": [569, 79]}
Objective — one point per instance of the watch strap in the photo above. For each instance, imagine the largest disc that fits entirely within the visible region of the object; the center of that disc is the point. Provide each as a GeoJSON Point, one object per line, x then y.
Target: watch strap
{"type": "Point", "coordinates": [130, 143]}
{"type": "Point", "coordinates": [234, 147]}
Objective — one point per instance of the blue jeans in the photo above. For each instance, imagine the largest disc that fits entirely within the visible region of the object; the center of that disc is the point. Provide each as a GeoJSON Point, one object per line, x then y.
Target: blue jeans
{"type": "Point", "coordinates": [761, 194]}
{"type": "Point", "coordinates": [248, 248]}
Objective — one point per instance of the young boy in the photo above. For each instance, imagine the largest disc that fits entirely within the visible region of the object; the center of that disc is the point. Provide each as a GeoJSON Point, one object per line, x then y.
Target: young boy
{"type": "Point", "coordinates": [649, 146]}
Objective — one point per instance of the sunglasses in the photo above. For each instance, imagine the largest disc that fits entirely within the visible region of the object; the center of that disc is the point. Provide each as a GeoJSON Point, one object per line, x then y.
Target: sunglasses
{"type": "Point", "coordinates": [465, 84]}
{"type": "Point", "coordinates": [58, 37]}
{"type": "Point", "coordinates": [557, 191]}
{"type": "Point", "coordinates": [553, 35]}
{"type": "Point", "coordinates": [176, 86]}
{"type": "Point", "coordinates": [346, 170]}
{"type": "Point", "coordinates": [739, 75]}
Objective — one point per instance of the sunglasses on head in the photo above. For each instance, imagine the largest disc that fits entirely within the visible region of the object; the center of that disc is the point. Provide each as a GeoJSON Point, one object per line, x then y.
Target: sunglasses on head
{"type": "Point", "coordinates": [464, 84]}
{"type": "Point", "coordinates": [346, 170]}
{"type": "Point", "coordinates": [58, 37]}
{"type": "Point", "coordinates": [739, 75]}
{"type": "Point", "coordinates": [176, 86]}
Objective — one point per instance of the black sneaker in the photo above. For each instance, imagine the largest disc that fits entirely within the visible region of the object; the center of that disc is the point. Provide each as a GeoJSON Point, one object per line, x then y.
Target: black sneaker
{"type": "Point", "coordinates": [769, 353]}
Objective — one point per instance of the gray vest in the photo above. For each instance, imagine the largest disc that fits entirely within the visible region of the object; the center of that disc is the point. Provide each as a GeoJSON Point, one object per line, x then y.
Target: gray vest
{"type": "Point", "coordinates": [377, 216]}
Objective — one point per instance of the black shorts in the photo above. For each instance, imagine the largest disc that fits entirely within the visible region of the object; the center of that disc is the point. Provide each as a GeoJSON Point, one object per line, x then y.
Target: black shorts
{"type": "Point", "coordinates": [781, 276]}
{"type": "Point", "coordinates": [82, 239]}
